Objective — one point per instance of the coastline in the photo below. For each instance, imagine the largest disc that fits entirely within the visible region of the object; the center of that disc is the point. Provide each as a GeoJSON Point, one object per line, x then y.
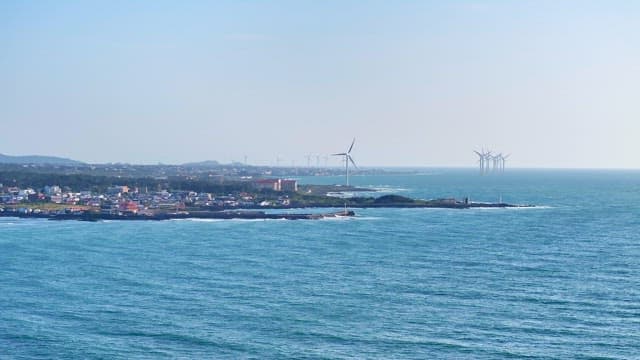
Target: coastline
{"type": "Point", "coordinates": [252, 214]}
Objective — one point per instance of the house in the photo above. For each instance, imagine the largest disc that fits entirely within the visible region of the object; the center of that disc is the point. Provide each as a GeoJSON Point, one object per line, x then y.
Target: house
{"type": "Point", "coordinates": [52, 190]}
{"type": "Point", "coordinates": [128, 207]}
{"type": "Point", "coordinates": [56, 199]}
{"type": "Point", "coordinates": [117, 190]}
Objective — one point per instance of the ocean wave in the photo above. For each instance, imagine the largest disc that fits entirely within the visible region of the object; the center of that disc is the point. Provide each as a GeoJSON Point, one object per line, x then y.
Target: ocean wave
{"type": "Point", "coordinates": [375, 190]}
{"type": "Point", "coordinates": [385, 188]}
{"type": "Point", "coordinates": [196, 220]}
{"type": "Point", "coordinates": [520, 208]}
{"type": "Point", "coordinates": [367, 218]}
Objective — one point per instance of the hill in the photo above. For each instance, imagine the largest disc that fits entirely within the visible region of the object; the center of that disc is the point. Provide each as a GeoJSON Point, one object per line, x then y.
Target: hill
{"type": "Point", "coordinates": [206, 163]}
{"type": "Point", "coordinates": [37, 159]}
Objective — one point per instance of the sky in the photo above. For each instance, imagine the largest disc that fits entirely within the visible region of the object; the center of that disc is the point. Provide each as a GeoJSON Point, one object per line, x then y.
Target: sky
{"type": "Point", "coordinates": [418, 83]}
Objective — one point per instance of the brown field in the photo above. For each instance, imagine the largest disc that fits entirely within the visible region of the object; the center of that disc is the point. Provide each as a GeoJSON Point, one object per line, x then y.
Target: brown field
{"type": "Point", "coordinates": [49, 206]}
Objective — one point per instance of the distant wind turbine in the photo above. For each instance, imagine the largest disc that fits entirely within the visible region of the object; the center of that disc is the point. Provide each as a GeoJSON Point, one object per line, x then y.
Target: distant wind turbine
{"type": "Point", "coordinates": [488, 158]}
{"type": "Point", "coordinates": [480, 161]}
{"type": "Point", "coordinates": [489, 162]}
{"type": "Point", "coordinates": [347, 159]}
{"type": "Point", "coordinates": [496, 162]}
{"type": "Point", "coordinates": [504, 160]}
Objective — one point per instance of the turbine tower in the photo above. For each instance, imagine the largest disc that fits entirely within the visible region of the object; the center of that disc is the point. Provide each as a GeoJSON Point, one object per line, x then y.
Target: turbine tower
{"type": "Point", "coordinates": [347, 159]}
{"type": "Point", "coordinates": [487, 161]}
{"type": "Point", "coordinates": [480, 160]}
{"type": "Point", "coordinates": [504, 160]}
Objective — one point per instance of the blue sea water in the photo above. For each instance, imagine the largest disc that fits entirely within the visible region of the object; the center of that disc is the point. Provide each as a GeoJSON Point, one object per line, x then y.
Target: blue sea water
{"type": "Point", "coordinates": [561, 280]}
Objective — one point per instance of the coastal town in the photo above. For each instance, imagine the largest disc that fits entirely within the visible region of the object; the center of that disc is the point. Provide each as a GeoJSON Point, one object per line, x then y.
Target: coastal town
{"type": "Point", "coordinates": [148, 192]}
{"type": "Point", "coordinates": [158, 192]}
{"type": "Point", "coordinates": [126, 200]}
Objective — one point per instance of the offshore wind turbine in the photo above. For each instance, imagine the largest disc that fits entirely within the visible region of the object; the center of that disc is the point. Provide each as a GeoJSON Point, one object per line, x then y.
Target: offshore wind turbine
{"type": "Point", "coordinates": [347, 159]}
{"type": "Point", "coordinates": [499, 162]}
{"type": "Point", "coordinates": [489, 162]}
{"type": "Point", "coordinates": [484, 160]}
{"type": "Point", "coordinates": [504, 160]}
{"type": "Point", "coordinates": [480, 161]}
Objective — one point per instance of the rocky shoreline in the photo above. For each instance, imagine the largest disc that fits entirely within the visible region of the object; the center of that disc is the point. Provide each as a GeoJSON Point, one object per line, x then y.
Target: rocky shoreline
{"type": "Point", "coordinates": [254, 214]}
{"type": "Point", "coordinates": [222, 215]}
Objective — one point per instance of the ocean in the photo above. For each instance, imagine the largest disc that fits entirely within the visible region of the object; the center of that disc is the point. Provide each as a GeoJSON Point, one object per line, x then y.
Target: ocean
{"type": "Point", "coordinates": [561, 280]}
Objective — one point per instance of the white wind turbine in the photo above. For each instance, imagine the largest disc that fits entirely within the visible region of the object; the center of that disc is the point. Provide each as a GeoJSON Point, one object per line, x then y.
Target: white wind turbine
{"type": "Point", "coordinates": [347, 159]}
{"type": "Point", "coordinates": [480, 161]}
{"type": "Point", "coordinates": [487, 161]}
{"type": "Point", "coordinates": [504, 160]}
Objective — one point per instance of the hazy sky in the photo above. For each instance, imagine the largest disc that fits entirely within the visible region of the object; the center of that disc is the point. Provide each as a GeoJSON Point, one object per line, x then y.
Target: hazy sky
{"type": "Point", "coordinates": [555, 83]}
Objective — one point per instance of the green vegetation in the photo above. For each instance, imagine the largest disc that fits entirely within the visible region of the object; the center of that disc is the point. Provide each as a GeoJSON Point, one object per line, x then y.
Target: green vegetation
{"type": "Point", "coordinates": [100, 183]}
{"type": "Point", "coordinates": [45, 206]}
{"type": "Point", "coordinates": [218, 186]}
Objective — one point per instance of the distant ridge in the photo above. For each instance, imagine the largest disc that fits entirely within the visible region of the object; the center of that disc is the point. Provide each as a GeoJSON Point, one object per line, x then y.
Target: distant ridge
{"type": "Point", "coordinates": [206, 163]}
{"type": "Point", "coordinates": [37, 159]}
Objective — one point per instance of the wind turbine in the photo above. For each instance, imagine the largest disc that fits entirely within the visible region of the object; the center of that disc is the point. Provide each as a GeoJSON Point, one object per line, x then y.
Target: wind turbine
{"type": "Point", "coordinates": [504, 160]}
{"type": "Point", "coordinates": [347, 159]}
{"type": "Point", "coordinates": [496, 162]}
{"type": "Point", "coordinates": [480, 161]}
{"type": "Point", "coordinates": [487, 159]}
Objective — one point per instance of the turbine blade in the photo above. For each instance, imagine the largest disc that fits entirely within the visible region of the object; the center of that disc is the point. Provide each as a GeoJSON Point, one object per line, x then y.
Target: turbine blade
{"type": "Point", "coordinates": [339, 154]}
{"type": "Point", "coordinates": [351, 147]}
{"type": "Point", "coordinates": [353, 162]}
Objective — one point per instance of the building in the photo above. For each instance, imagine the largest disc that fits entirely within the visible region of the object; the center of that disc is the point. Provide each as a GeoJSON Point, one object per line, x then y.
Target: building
{"type": "Point", "coordinates": [117, 190]}
{"type": "Point", "coordinates": [128, 207]}
{"type": "Point", "coordinates": [268, 184]}
{"type": "Point", "coordinates": [52, 190]}
{"type": "Point", "coordinates": [289, 185]}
